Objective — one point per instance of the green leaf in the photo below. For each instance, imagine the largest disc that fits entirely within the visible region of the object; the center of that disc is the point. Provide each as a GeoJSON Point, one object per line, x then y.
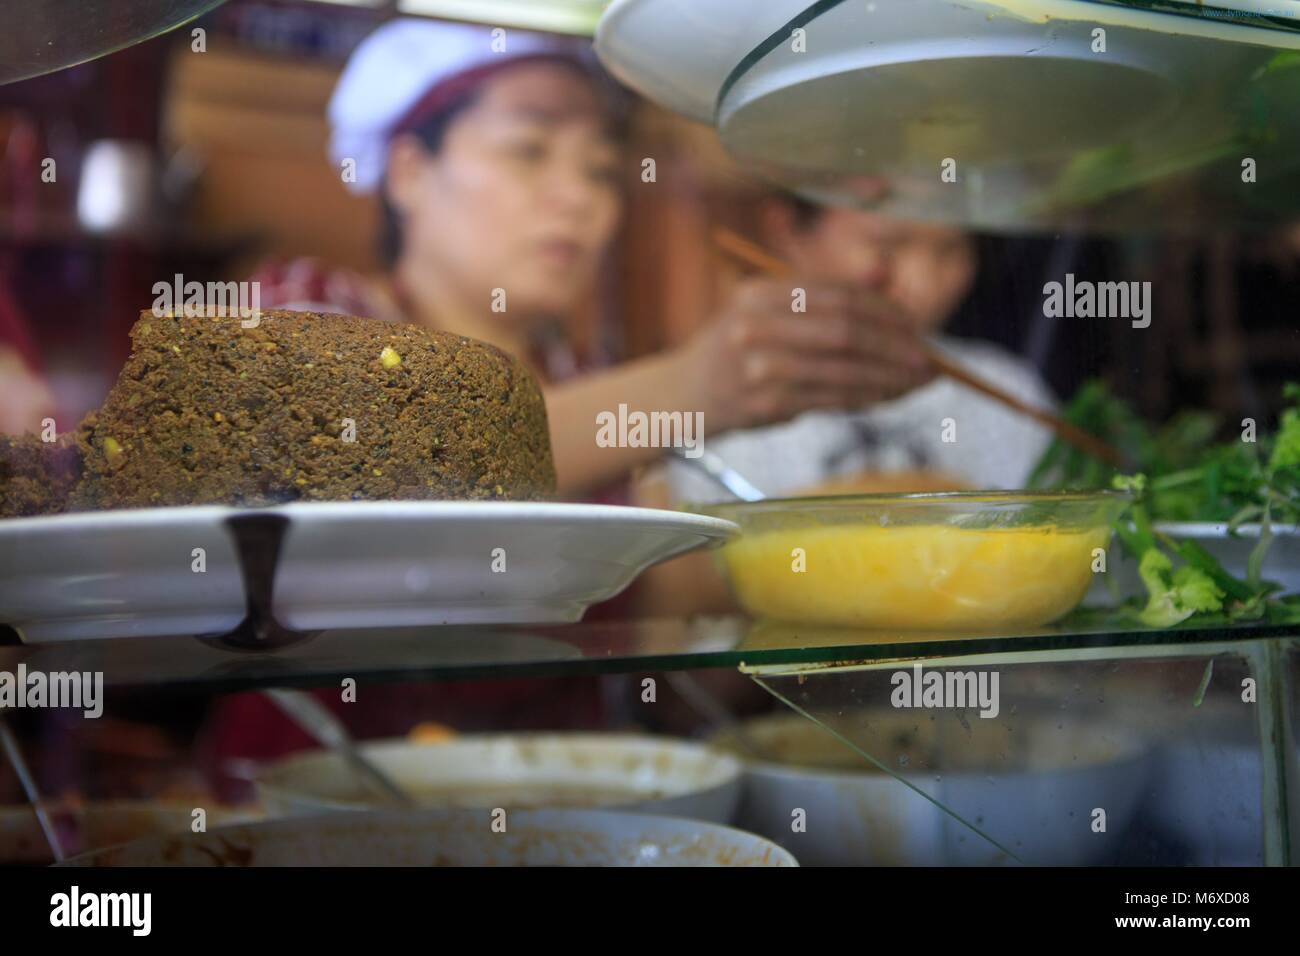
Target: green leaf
{"type": "Point", "coordinates": [1196, 556]}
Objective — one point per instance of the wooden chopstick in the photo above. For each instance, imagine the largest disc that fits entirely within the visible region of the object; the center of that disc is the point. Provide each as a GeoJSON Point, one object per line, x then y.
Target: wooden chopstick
{"type": "Point", "coordinates": [758, 257]}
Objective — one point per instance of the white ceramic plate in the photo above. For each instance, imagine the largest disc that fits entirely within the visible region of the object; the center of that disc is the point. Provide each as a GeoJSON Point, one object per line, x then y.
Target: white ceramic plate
{"type": "Point", "coordinates": [456, 838]}
{"type": "Point", "coordinates": [345, 564]}
{"type": "Point", "coordinates": [1040, 122]}
{"type": "Point", "coordinates": [637, 773]}
{"type": "Point", "coordinates": [680, 52]}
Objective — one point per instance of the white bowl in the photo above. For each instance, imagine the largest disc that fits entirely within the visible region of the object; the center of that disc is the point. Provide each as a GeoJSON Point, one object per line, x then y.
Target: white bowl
{"type": "Point", "coordinates": [455, 838]}
{"type": "Point", "coordinates": [664, 777]}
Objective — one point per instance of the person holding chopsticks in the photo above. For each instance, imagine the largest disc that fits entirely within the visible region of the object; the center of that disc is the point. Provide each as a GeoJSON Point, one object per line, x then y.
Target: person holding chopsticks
{"type": "Point", "coordinates": [940, 435]}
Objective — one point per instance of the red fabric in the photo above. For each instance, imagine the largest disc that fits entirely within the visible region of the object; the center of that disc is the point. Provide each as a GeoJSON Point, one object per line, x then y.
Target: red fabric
{"type": "Point", "coordinates": [14, 330]}
{"type": "Point", "coordinates": [306, 281]}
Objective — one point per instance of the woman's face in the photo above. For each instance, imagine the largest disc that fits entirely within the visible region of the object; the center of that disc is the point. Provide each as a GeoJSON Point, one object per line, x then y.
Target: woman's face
{"type": "Point", "coordinates": [522, 196]}
{"type": "Point", "coordinates": [926, 269]}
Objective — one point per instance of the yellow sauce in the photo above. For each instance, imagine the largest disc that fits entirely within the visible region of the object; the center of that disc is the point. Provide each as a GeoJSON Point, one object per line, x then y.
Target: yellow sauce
{"type": "Point", "coordinates": [914, 578]}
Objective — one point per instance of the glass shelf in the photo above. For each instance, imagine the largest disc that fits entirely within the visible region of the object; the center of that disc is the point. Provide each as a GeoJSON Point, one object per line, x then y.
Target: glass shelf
{"type": "Point", "coordinates": [597, 647]}
{"type": "Point", "coordinates": [1102, 746]}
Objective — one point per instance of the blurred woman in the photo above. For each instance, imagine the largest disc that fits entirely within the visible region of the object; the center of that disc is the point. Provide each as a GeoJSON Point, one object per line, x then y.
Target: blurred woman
{"type": "Point", "coordinates": [498, 170]}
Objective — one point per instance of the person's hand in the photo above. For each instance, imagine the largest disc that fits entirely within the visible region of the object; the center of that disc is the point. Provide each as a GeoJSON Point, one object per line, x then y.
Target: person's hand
{"type": "Point", "coordinates": [24, 398]}
{"type": "Point", "coordinates": [761, 362]}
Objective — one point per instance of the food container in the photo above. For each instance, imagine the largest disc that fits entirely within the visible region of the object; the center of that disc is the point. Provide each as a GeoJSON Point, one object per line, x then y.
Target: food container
{"type": "Point", "coordinates": [1031, 786]}
{"type": "Point", "coordinates": [455, 838]}
{"type": "Point", "coordinates": [957, 561]}
{"type": "Point", "coordinates": [519, 772]}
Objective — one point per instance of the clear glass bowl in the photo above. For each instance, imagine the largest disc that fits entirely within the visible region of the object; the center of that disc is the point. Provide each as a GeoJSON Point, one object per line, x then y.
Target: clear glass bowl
{"type": "Point", "coordinates": [956, 561]}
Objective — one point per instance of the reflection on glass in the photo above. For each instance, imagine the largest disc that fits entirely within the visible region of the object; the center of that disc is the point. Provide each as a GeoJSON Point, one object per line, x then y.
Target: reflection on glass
{"type": "Point", "coordinates": [1071, 763]}
{"type": "Point", "coordinates": [41, 36]}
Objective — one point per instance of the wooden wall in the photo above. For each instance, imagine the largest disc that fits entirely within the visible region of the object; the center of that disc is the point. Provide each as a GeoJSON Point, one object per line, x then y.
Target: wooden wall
{"type": "Point", "coordinates": [258, 125]}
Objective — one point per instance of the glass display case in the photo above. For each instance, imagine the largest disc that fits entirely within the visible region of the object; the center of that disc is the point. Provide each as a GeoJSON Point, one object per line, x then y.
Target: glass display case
{"type": "Point", "coordinates": [242, 662]}
{"type": "Point", "coordinates": [1086, 746]}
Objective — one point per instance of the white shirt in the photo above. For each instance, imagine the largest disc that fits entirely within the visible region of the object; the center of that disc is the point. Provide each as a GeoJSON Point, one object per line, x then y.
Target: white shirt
{"type": "Point", "coordinates": [943, 426]}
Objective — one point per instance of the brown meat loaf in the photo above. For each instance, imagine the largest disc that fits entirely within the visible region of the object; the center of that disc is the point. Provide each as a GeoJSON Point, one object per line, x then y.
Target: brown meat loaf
{"type": "Point", "coordinates": [36, 476]}
{"type": "Point", "coordinates": [312, 406]}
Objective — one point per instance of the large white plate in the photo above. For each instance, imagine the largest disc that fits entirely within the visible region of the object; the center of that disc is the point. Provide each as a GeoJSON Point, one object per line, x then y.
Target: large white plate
{"type": "Point", "coordinates": [1042, 123]}
{"type": "Point", "coordinates": [681, 52]}
{"type": "Point", "coordinates": [346, 564]}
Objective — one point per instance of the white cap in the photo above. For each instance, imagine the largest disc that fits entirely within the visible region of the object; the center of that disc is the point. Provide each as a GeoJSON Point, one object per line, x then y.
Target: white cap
{"type": "Point", "coordinates": [399, 64]}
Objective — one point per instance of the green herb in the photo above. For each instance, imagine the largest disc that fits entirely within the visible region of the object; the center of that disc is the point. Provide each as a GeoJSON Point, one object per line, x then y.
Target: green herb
{"type": "Point", "coordinates": [1184, 476]}
{"type": "Point", "coordinates": [1175, 594]}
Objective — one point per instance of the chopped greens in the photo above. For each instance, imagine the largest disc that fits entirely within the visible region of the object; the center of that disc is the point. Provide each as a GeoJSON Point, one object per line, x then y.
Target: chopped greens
{"type": "Point", "coordinates": [1182, 475]}
{"type": "Point", "coordinates": [1175, 594]}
